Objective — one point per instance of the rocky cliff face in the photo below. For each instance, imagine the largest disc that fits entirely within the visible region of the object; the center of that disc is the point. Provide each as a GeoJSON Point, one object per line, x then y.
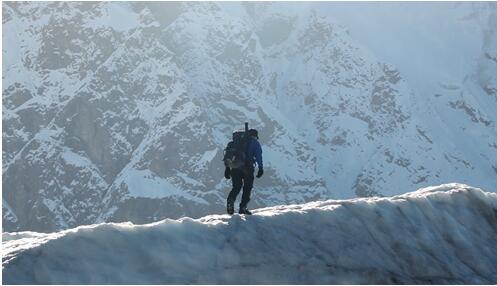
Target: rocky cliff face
{"type": "Point", "coordinates": [120, 111]}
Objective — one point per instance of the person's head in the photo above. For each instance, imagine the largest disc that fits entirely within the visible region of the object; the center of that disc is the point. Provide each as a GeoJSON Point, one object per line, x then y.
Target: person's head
{"type": "Point", "coordinates": [253, 133]}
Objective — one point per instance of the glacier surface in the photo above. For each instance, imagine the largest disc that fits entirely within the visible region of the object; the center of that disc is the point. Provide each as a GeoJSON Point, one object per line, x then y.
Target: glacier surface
{"type": "Point", "coordinates": [443, 234]}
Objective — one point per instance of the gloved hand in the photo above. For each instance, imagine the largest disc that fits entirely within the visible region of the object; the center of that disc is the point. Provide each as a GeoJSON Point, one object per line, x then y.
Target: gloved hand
{"type": "Point", "coordinates": [227, 173]}
{"type": "Point", "coordinates": [260, 172]}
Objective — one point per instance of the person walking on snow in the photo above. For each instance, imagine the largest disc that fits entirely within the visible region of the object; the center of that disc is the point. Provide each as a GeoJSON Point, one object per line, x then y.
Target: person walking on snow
{"type": "Point", "coordinates": [244, 176]}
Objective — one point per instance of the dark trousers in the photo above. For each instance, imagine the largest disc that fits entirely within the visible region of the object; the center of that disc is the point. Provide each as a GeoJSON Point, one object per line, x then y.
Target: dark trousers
{"type": "Point", "coordinates": [239, 178]}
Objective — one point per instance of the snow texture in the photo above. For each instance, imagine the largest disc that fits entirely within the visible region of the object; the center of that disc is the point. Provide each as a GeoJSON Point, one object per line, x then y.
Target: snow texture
{"type": "Point", "coordinates": [443, 234]}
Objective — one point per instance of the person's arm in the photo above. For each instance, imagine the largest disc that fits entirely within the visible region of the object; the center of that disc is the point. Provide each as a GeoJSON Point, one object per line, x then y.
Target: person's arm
{"type": "Point", "coordinates": [258, 154]}
{"type": "Point", "coordinates": [258, 159]}
{"type": "Point", "coordinates": [227, 170]}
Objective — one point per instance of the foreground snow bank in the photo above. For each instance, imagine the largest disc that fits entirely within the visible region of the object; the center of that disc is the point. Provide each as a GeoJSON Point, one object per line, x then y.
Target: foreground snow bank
{"type": "Point", "coordinates": [445, 234]}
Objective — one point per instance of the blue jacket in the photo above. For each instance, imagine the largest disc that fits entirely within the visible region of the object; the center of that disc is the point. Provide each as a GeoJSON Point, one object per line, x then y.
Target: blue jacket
{"type": "Point", "coordinates": [254, 151]}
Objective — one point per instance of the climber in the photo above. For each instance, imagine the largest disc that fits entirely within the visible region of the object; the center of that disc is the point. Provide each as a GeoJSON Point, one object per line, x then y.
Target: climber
{"type": "Point", "coordinates": [242, 175]}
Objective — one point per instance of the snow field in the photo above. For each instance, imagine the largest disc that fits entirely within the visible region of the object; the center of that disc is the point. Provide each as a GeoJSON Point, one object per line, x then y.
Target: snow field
{"type": "Point", "coordinates": [444, 234]}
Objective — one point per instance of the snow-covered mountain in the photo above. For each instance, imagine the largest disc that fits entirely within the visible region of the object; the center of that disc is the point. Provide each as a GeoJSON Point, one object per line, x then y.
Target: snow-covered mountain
{"type": "Point", "coordinates": [120, 111]}
{"type": "Point", "coordinates": [438, 235]}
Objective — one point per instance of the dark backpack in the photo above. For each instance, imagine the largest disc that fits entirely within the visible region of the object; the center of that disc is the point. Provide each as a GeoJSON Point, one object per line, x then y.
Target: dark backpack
{"type": "Point", "coordinates": [235, 152]}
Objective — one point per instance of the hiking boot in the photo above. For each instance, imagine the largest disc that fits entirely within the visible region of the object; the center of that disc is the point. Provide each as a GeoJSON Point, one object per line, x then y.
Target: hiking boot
{"type": "Point", "coordinates": [230, 207]}
{"type": "Point", "coordinates": [244, 210]}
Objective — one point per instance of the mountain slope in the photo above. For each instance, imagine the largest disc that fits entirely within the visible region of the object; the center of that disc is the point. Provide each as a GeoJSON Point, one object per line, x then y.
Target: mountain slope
{"type": "Point", "coordinates": [443, 234]}
{"type": "Point", "coordinates": [111, 120]}
{"type": "Point", "coordinates": [443, 51]}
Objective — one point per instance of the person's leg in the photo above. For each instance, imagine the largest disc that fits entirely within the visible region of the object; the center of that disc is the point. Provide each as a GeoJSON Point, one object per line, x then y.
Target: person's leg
{"type": "Point", "coordinates": [248, 183]}
{"type": "Point", "coordinates": [236, 180]}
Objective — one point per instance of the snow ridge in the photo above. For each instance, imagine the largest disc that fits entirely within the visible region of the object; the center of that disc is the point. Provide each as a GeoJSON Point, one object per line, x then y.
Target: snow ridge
{"type": "Point", "coordinates": [443, 234]}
